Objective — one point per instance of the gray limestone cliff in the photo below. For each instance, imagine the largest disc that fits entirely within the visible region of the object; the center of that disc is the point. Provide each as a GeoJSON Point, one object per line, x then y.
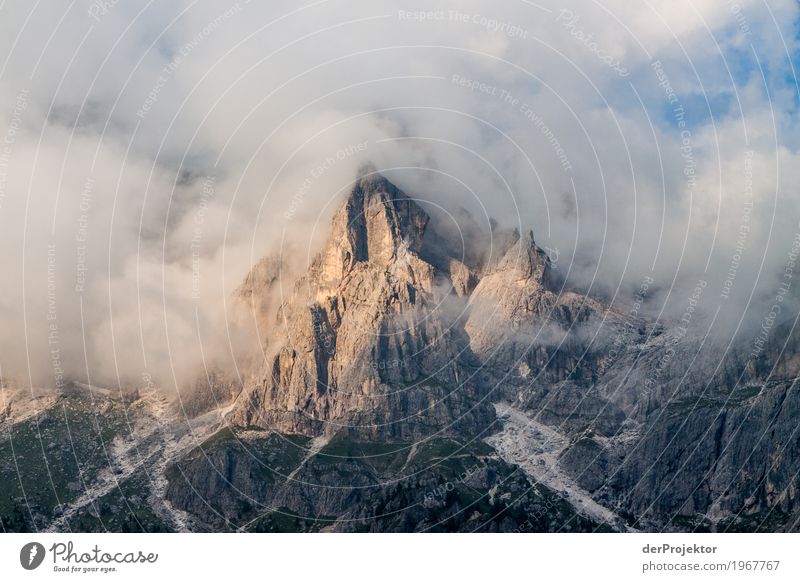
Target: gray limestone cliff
{"type": "Point", "coordinates": [367, 344]}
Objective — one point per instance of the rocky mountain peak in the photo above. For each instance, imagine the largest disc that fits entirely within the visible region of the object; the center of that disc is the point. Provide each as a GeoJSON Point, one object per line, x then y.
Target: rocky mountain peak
{"type": "Point", "coordinates": [362, 348]}
{"type": "Point", "coordinates": [380, 218]}
{"type": "Point", "coordinates": [376, 224]}
{"type": "Point", "coordinates": [375, 344]}
{"type": "Point", "coordinates": [527, 260]}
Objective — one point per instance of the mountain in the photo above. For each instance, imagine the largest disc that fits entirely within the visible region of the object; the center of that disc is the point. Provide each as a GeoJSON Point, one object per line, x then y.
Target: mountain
{"type": "Point", "coordinates": [425, 374]}
{"type": "Point", "coordinates": [368, 411]}
{"type": "Point", "coordinates": [366, 345]}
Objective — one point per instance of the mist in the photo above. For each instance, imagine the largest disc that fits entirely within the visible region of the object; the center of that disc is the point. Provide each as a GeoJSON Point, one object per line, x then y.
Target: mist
{"type": "Point", "coordinates": [152, 153]}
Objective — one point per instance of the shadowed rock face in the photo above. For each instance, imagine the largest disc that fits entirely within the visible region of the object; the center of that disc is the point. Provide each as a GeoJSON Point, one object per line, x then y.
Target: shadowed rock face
{"type": "Point", "coordinates": [716, 443]}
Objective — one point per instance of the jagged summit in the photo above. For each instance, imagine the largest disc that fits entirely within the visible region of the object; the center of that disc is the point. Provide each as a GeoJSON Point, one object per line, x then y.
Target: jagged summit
{"type": "Point", "coordinates": [377, 226]}
{"type": "Point", "coordinates": [527, 259]}
{"type": "Point", "coordinates": [363, 346]}
{"type": "Point", "coordinates": [377, 218]}
{"type": "Point", "coordinates": [375, 341]}
{"type": "Point", "coordinates": [502, 239]}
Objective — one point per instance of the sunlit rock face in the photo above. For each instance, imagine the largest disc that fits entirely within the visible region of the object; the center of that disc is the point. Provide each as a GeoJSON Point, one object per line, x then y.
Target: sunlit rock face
{"type": "Point", "coordinates": [370, 342]}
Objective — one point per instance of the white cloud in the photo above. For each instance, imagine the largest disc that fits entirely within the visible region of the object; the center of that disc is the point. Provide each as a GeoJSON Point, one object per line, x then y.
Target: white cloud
{"type": "Point", "coordinates": [148, 101]}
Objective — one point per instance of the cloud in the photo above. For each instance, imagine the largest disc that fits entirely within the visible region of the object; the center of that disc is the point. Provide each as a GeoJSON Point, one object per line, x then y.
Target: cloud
{"type": "Point", "coordinates": [185, 140]}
